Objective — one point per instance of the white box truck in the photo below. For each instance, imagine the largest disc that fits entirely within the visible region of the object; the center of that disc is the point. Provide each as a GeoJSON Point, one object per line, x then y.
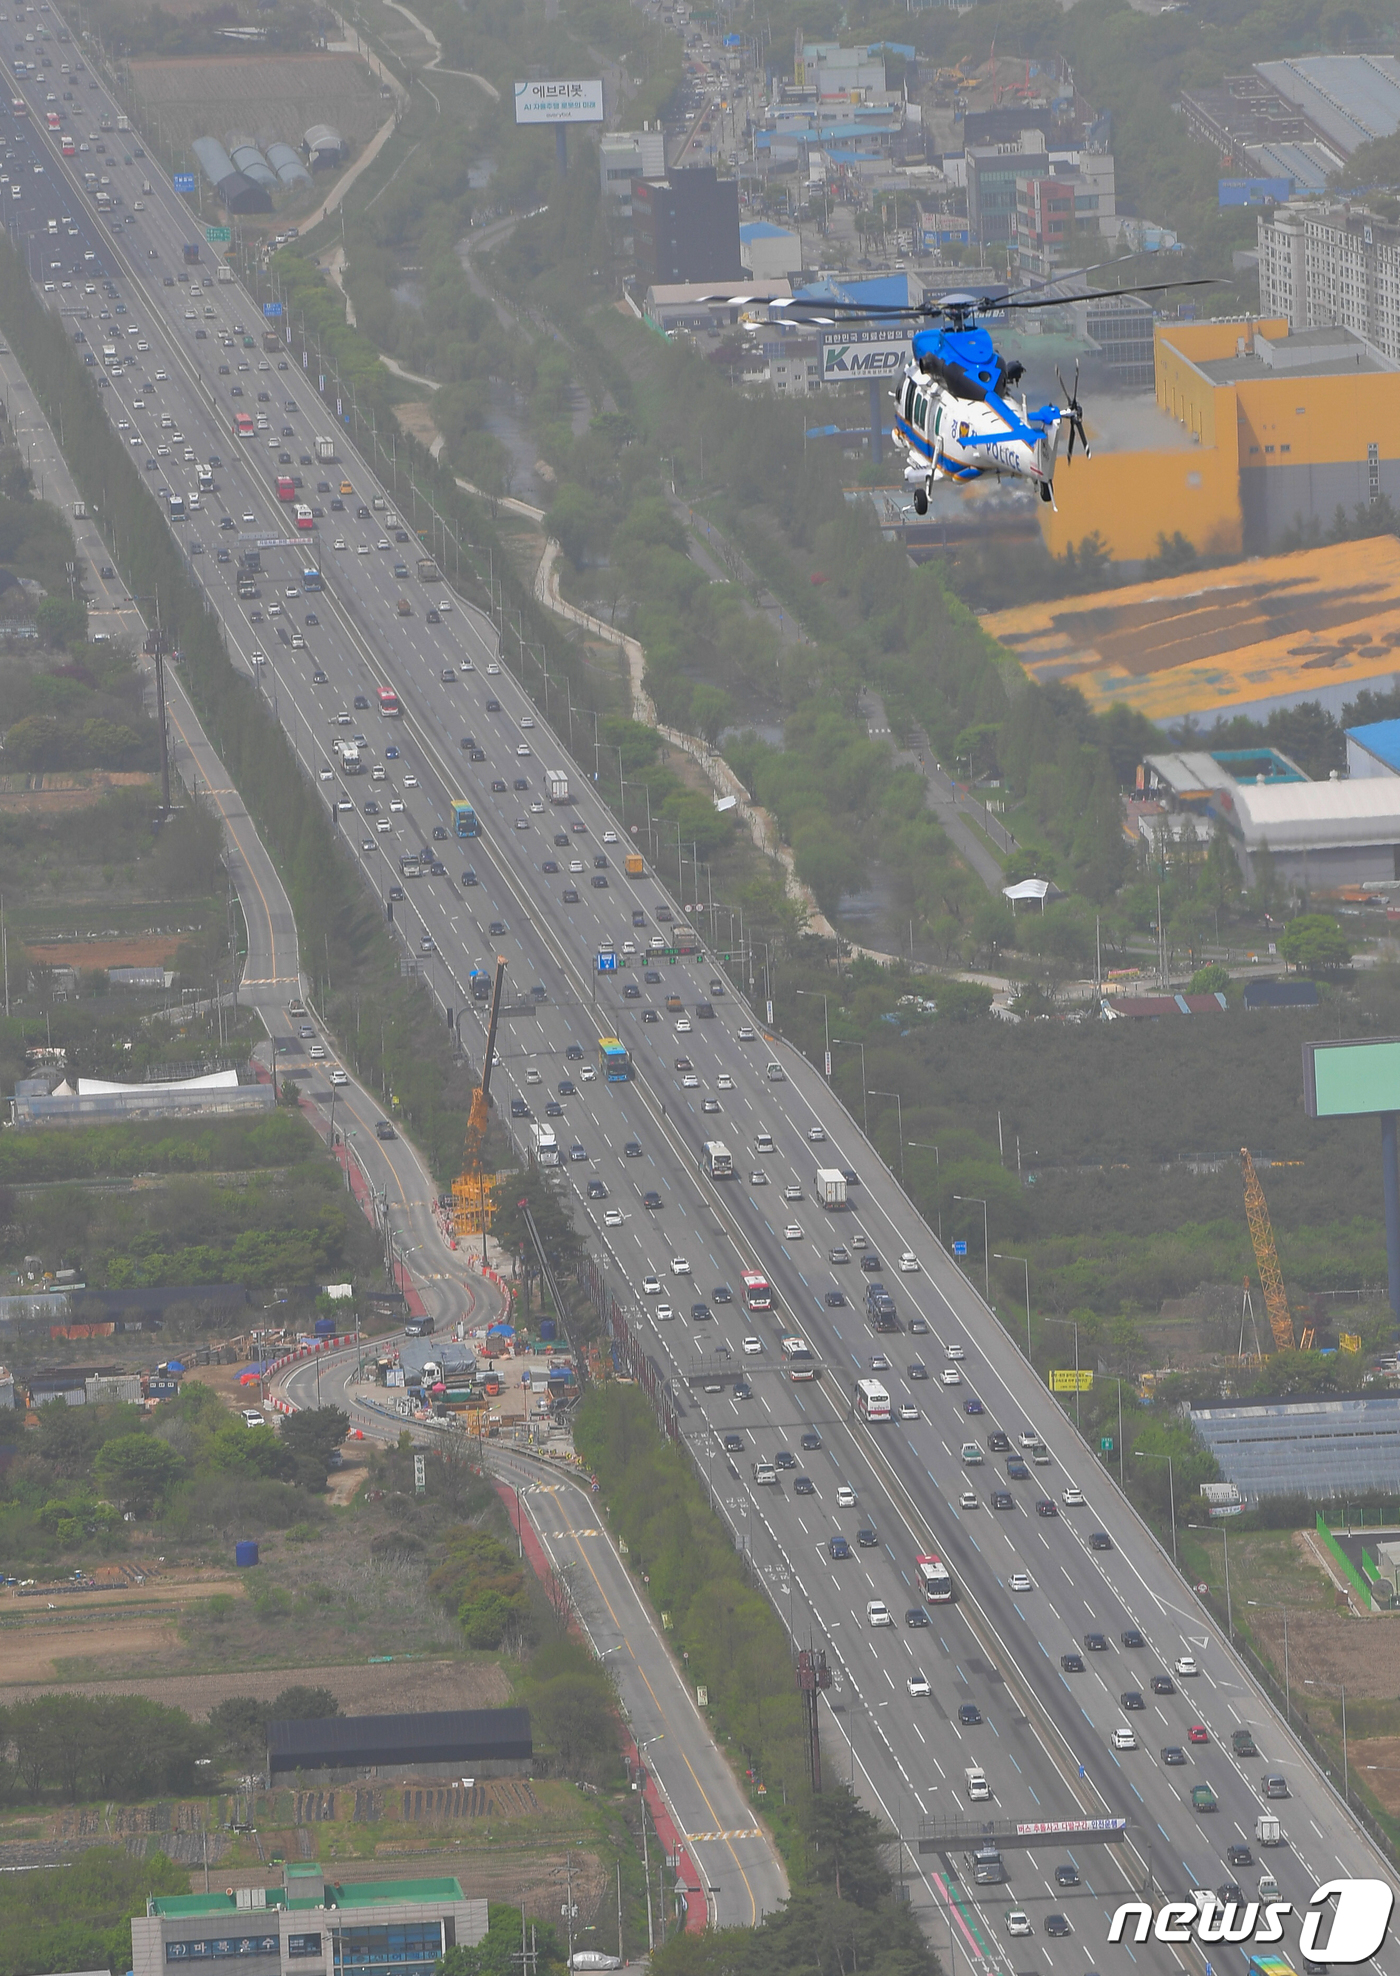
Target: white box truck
{"type": "Point", "coordinates": [978, 1789]}
{"type": "Point", "coordinates": [1267, 1829]}
{"type": "Point", "coordinates": [325, 451]}
{"type": "Point", "coordinates": [830, 1185]}
{"type": "Point", "coordinates": [556, 784]}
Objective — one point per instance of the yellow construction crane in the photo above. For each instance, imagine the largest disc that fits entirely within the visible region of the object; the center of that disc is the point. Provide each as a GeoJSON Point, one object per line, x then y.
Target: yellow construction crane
{"type": "Point", "coordinates": [1261, 1233]}
{"type": "Point", "coordinates": [474, 1186]}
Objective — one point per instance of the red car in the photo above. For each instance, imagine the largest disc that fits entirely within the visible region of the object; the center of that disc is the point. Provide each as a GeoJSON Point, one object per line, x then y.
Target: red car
{"type": "Point", "coordinates": [1197, 1733]}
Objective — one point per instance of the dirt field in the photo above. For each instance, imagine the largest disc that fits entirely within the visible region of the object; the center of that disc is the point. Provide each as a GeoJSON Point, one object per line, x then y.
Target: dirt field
{"type": "Point", "coordinates": [272, 96]}
{"type": "Point", "coordinates": [1334, 1650]}
{"type": "Point", "coordinates": [154, 950]}
{"type": "Point", "coordinates": [407, 1685]}
{"type": "Point", "coordinates": [53, 795]}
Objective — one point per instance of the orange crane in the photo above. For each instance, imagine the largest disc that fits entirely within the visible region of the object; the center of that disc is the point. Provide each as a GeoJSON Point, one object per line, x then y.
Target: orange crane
{"type": "Point", "coordinates": [1261, 1233]}
{"type": "Point", "coordinates": [472, 1189]}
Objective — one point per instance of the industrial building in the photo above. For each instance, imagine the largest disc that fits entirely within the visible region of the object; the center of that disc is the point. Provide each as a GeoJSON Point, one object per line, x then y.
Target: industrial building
{"type": "Point", "coordinates": [485, 1742]}
{"type": "Point", "coordinates": [1284, 429]}
{"type": "Point", "coordinates": [91, 1101]}
{"type": "Point", "coordinates": [311, 1926]}
{"type": "Point", "coordinates": [624, 156]}
{"type": "Point", "coordinates": [1325, 1449]}
{"type": "Point", "coordinates": [685, 228]}
{"type": "Point", "coordinates": [768, 252]}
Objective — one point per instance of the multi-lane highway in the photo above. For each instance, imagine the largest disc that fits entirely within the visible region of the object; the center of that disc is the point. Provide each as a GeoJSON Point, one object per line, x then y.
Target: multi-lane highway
{"type": "Point", "coordinates": [1035, 1591]}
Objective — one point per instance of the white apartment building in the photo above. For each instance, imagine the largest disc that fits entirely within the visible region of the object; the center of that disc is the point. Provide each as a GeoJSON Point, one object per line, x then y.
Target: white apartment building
{"type": "Point", "coordinates": [1322, 266]}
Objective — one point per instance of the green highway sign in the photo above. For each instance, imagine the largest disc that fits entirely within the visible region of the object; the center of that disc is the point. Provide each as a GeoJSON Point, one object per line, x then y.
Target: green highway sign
{"type": "Point", "coordinates": [218, 236]}
{"type": "Point", "coordinates": [1106, 1445]}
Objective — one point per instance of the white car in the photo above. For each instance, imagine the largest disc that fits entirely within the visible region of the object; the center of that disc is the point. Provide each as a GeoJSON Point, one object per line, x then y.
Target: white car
{"type": "Point", "coordinates": [917, 1684]}
{"type": "Point", "coordinates": [317, 1052]}
{"type": "Point", "coordinates": [1186, 1668]}
{"type": "Point", "coordinates": [951, 1376]}
{"type": "Point", "coordinates": [410, 782]}
{"type": "Point", "coordinates": [651, 1286]}
{"type": "Point", "coordinates": [752, 1345]}
{"type": "Point", "coordinates": [724, 1082]}
{"type": "Point", "coordinates": [1124, 1739]}
{"type": "Point", "coordinates": [816, 1135]}
{"type": "Point", "coordinates": [792, 1191]}
{"type": "Point", "coordinates": [909, 1262]}
{"type": "Point", "coordinates": [612, 1217]}
{"type": "Point", "coordinates": [339, 542]}
{"type": "Point", "coordinates": [523, 750]}
{"type": "Point", "coordinates": [679, 1266]}
{"type": "Point", "coordinates": [609, 836]}
{"type": "Point", "coordinates": [745, 1032]}
{"type": "Point", "coordinates": [683, 1025]}
{"type": "Point", "coordinates": [493, 667]}
{"type": "Point", "coordinates": [758, 1178]}
{"type": "Point", "coordinates": [1072, 1497]}
{"type": "Point", "coordinates": [251, 1417]}
{"type": "Point", "coordinates": [338, 1076]}
{"type": "Point", "coordinates": [527, 720]}
{"type": "Point", "coordinates": [690, 1082]}
{"type": "Point", "coordinates": [396, 804]}
{"type": "Point", "coordinates": [907, 1411]}
{"type": "Point", "coordinates": [664, 1313]}
{"type": "Point", "coordinates": [877, 1613]}
{"type": "Point", "coordinates": [362, 548]}
{"type": "Point", "coordinates": [845, 1497]}
{"type": "Point", "coordinates": [1018, 1922]}
{"type": "Point", "coordinates": [969, 1499]}
{"type": "Point", "coordinates": [954, 1352]}
{"type": "Point", "coordinates": [1020, 1581]}
{"type": "Point", "coordinates": [793, 1232]}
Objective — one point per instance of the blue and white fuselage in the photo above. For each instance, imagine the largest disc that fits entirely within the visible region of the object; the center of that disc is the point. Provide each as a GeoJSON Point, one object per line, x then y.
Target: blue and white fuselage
{"type": "Point", "coordinates": [955, 418]}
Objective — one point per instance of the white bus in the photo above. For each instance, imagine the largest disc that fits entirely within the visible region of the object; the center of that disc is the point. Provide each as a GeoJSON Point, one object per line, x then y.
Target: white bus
{"type": "Point", "coordinates": [934, 1583]}
{"type": "Point", "coordinates": [872, 1401]}
{"type": "Point", "coordinates": [798, 1354]}
{"type": "Point", "coordinates": [716, 1160]}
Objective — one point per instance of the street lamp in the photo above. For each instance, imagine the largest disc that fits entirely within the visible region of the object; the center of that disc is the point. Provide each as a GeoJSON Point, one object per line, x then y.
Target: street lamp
{"type": "Point", "coordinates": [864, 1094]}
{"type": "Point", "coordinates": [977, 1201]}
{"type": "Point", "coordinates": [1060, 1320]}
{"type": "Point", "coordinates": [1287, 1695]}
{"type": "Point", "coordinates": [1140, 1454]}
{"type": "Point", "coordinates": [899, 1114]}
{"type": "Point", "coordinates": [999, 1257]}
{"type": "Point", "coordinates": [826, 1025]}
{"type": "Point", "coordinates": [1346, 1773]}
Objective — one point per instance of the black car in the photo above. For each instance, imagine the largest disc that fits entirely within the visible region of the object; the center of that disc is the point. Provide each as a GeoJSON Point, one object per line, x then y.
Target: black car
{"type": "Point", "coordinates": [439, 834]}
{"type": "Point", "coordinates": [1099, 1540]}
{"type": "Point", "coordinates": [803, 1485]}
{"type": "Point", "coordinates": [721, 1294]}
{"type": "Point", "coordinates": [997, 1443]}
{"type": "Point", "coordinates": [916, 1616]}
{"type": "Point", "coordinates": [836, 1300]}
{"type": "Point", "coordinates": [497, 927]}
{"type": "Point", "coordinates": [566, 1087]}
{"type": "Point", "coordinates": [1066, 1876]}
{"type": "Point", "coordinates": [1072, 1663]}
{"type": "Point", "coordinates": [1238, 1856]}
{"type": "Point", "coordinates": [651, 1199]}
{"type": "Point", "coordinates": [550, 868]}
{"type": "Point", "coordinates": [867, 1538]}
{"type": "Point", "coordinates": [1056, 1924]}
{"type": "Point", "coordinates": [917, 1371]}
{"type": "Point", "coordinates": [811, 1439]}
{"type": "Point", "coordinates": [1231, 1890]}
{"type": "Point", "coordinates": [1045, 1507]}
{"type": "Point", "coordinates": [1131, 1699]}
{"type": "Point", "coordinates": [1131, 1637]}
{"type": "Point", "coordinates": [493, 706]}
{"type": "Point", "coordinates": [632, 1150]}
{"type": "Point", "coordinates": [554, 1109]}
{"type": "Point", "coordinates": [1016, 1469]}
{"type": "Point", "coordinates": [648, 1015]}
{"type": "Point", "coordinates": [574, 1053]}
{"type": "Point", "coordinates": [597, 1190]}
{"type": "Point", "coordinates": [1162, 1684]}
{"type": "Point", "coordinates": [522, 782]}
{"type": "Point", "coordinates": [561, 838]}
{"type": "Point", "coordinates": [651, 977]}
{"type": "Point", "coordinates": [361, 703]}
{"type": "Point", "coordinates": [600, 884]}
{"type": "Point", "coordinates": [384, 1130]}
{"type": "Point", "coordinates": [742, 1390]}
{"type": "Point", "coordinates": [871, 1263]}
{"type": "Point", "coordinates": [519, 1108]}
{"type": "Point", "coordinates": [1097, 1643]}
{"type": "Point", "coordinates": [838, 1547]}
{"type": "Point", "coordinates": [1003, 1499]}
{"type": "Point", "coordinates": [782, 1459]}
{"type": "Point", "coordinates": [1173, 1754]}
{"type": "Point", "coordinates": [969, 1715]}
{"type": "Point", "coordinates": [569, 896]}
{"type": "Point", "coordinates": [733, 1443]}
{"type": "Point", "coordinates": [469, 876]}
{"type": "Point", "coordinates": [498, 787]}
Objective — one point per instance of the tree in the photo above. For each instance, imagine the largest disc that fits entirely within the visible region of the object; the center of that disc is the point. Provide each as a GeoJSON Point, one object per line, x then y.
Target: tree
{"type": "Point", "coordinates": [1212, 979]}
{"type": "Point", "coordinates": [299, 1704]}
{"type": "Point", "coordinates": [137, 1470]}
{"type": "Point", "coordinates": [62, 621]}
{"type": "Point", "coordinates": [710, 711]}
{"type": "Point", "coordinates": [316, 1434]}
{"type": "Point", "coordinates": [239, 1725]}
{"type": "Point", "coordinates": [1314, 940]}
{"type": "Point", "coordinates": [960, 1001]}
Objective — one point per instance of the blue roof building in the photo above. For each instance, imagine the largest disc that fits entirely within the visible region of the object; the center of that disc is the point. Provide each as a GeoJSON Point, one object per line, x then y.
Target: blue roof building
{"type": "Point", "coordinates": [1374, 749]}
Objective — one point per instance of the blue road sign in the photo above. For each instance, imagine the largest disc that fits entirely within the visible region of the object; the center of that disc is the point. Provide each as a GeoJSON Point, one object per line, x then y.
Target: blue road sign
{"type": "Point", "coordinates": [272, 308]}
{"type": "Point", "coordinates": [607, 963]}
{"type": "Point", "coordinates": [960, 1248]}
{"type": "Point", "coordinates": [184, 181]}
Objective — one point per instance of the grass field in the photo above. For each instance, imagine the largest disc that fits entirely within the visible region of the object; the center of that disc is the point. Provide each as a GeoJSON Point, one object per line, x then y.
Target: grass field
{"type": "Point", "coordinates": [274, 96]}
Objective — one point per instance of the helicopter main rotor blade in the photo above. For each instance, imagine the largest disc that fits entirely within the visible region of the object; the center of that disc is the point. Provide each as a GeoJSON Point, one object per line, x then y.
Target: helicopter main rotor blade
{"type": "Point", "coordinates": [1101, 294]}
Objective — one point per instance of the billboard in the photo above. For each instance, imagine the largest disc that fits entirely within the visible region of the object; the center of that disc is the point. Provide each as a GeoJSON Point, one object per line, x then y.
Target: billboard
{"type": "Point", "coordinates": [1345, 1079]}
{"type": "Point", "coordinates": [858, 355]}
{"type": "Point", "coordinates": [1071, 1382]}
{"type": "Point", "coordinates": [558, 102]}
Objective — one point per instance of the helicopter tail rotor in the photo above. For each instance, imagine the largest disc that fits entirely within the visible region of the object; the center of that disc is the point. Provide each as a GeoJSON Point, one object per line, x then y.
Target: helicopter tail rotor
{"type": "Point", "coordinates": [1074, 411]}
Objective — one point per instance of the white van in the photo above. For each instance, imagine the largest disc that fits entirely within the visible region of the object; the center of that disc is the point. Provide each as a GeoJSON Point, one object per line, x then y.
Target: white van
{"type": "Point", "coordinates": [978, 1789]}
{"type": "Point", "coordinates": [776, 1074]}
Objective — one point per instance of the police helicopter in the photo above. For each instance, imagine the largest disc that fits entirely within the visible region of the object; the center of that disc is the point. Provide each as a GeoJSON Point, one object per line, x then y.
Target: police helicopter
{"type": "Point", "coordinates": [955, 414]}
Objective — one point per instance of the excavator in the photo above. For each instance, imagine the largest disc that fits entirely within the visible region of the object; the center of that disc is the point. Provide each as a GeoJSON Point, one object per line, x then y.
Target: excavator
{"type": "Point", "coordinates": [473, 1187]}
